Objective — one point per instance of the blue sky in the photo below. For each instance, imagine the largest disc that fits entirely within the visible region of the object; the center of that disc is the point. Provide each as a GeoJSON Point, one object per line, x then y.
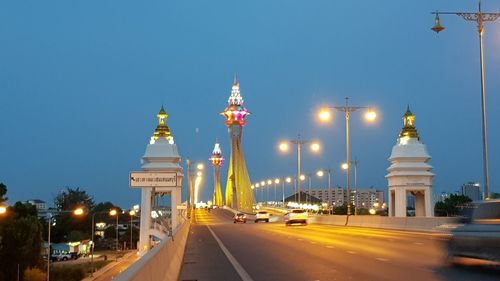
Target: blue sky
{"type": "Point", "coordinates": [81, 83]}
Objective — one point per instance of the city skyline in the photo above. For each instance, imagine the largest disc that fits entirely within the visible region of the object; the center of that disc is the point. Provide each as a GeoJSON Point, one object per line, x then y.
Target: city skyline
{"type": "Point", "coordinates": [81, 84]}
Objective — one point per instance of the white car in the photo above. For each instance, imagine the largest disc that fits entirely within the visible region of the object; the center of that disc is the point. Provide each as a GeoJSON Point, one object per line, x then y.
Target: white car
{"type": "Point", "coordinates": [296, 216]}
{"type": "Point", "coordinates": [262, 216]}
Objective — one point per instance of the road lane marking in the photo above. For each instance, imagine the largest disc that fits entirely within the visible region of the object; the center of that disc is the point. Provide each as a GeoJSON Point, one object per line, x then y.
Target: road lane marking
{"type": "Point", "coordinates": [330, 247]}
{"type": "Point", "coordinates": [418, 243]}
{"type": "Point", "coordinates": [300, 239]}
{"type": "Point", "coordinates": [237, 266]}
{"type": "Point", "coordinates": [312, 242]}
{"type": "Point", "coordinates": [351, 252]}
{"type": "Point", "coordinates": [382, 259]}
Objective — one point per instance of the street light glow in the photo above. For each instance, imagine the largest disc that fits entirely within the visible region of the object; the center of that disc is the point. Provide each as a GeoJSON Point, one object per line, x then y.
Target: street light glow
{"type": "Point", "coordinates": [344, 166]}
{"type": "Point", "coordinates": [315, 146]}
{"type": "Point", "coordinates": [252, 186]}
{"type": "Point", "coordinates": [276, 181]}
{"type": "Point", "coordinates": [302, 177]}
{"type": "Point", "coordinates": [288, 179]}
{"type": "Point", "coordinates": [200, 166]}
{"type": "Point", "coordinates": [320, 173]}
{"type": "Point", "coordinates": [370, 115]}
{"type": "Point", "coordinates": [3, 210]}
{"type": "Point", "coordinates": [257, 185]}
{"type": "Point", "coordinates": [113, 212]}
{"type": "Point", "coordinates": [325, 115]}
{"type": "Point", "coordinates": [132, 212]}
{"type": "Point", "coordinates": [284, 146]}
{"type": "Point", "coordinates": [78, 212]}
{"type": "Point", "coordinates": [263, 183]}
{"type": "Point", "coordinates": [269, 182]}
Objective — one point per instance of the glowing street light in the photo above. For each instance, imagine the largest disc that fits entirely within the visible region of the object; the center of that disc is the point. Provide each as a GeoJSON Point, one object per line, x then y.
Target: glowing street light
{"type": "Point", "coordinates": [370, 116]}
{"type": "Point", "coordinates": [3, 210]}
{"type": "Point", "coordinates": [115, 212]}
{"type": "Point", "coordinates": [200, 166]}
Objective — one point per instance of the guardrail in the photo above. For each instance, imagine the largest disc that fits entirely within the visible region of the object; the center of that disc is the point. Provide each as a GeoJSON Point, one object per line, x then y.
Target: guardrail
{"type": "Point", "coordinates": [163, 262]}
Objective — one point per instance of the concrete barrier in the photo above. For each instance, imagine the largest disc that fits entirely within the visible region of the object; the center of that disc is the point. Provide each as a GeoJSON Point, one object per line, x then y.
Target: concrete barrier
{"type": "Point", "coordinates": [163, 262]}
{"type": "Point", "coordinates": [407, 223]}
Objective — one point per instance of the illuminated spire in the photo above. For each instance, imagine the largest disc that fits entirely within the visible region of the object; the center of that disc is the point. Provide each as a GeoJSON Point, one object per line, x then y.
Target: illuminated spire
{"type": "Point", "coordinates": [162, 130]}
{"type": "Point", "coordinates": [235, 112]}
{"type": "Point", "coordinates": [217, 158]}
{"type": "Point", "coordinates": [409, 130]}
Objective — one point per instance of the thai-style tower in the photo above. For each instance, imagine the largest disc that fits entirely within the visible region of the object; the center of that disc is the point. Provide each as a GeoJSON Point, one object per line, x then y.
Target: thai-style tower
{"type": "Point", "coordinates": [239, 195]}
{"type": "Point", "coordinates": [410, 172]}
{"type": "Point", "coordinates": [160, 182]}
{"type": "Point", "coordinates": [217, 159]}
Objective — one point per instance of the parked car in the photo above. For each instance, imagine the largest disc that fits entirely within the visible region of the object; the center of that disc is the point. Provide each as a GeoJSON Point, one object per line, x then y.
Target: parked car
{"type": "Point", "coordinates": [479, 237]}
{"type": "Point", "coordinates": [296, 216]}
{"type": "Point", "coordinates": [60, 257]}
{"type": "Point", "coordinates": [240, 217]}
{"type": "Point", "coordinates": [262, 216]}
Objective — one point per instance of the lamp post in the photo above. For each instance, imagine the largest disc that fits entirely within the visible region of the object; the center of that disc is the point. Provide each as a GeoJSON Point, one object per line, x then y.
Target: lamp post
{"type": "Point", "coordinates": [269, 183]}
{"type": "Point", "coordinates": [345, 166]}
{"type": "Point", "coordinates": [276, 181]}
{"type": "Point", "coordinates": [325, 115]}
{"type": "Point", "coordinates": [190, 187]}
{"type": "Point", "coordinates": [299, 142]}
{"type": "Point", "coordinates": [132, 213]}
{"type": "Point", "coordinates": [115, 212]}
{"type": "Point", "coordinates": [320, 173]}
{"type": "Point", "coordinates": [76, 212]}
{"type": "Point", "coordinates": [480, 18]}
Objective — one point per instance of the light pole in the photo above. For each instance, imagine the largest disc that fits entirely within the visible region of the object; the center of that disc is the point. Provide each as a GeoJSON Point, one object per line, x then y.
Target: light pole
{"type": "Point", "coordinates": [269, 183]}
{"type": "Point", "coordinates": [325, 115]}
{"type": "Point", "coordinates": [345, 166]}
{"type": "Point", "coordinates": [320, 173]}
{"type": "Point", "coordinates": [276, 181]}
{"type": "Point", "coordinates": [298, 142]}
{"type": "Point", "coordinates": [132, 214]}
{"type": "Point", "coordinates": [190, 187]}
{"type": "Point", "coordinates": [76, 212]}
{"type": "Point", "coordinates": [478, 18]}
{"type": "Point", "coordinates": [115, 212]}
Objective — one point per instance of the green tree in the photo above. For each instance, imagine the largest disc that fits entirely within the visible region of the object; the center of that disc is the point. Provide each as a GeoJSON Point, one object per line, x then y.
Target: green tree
{"type": "Point", "coordinates": [495, 195]}
{"type": "Point", "coordinates": [67, 200]}
{"type": "Point", "coordinates": [3, 192]}
{"type": "Point", "coordinates": [451, 206]}
{"type": "Point", "coordinates": [21, 240]}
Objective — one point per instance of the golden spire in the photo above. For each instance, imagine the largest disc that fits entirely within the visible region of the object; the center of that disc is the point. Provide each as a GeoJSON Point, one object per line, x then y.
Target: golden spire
{"type": "Point", "coordinates": [409, 129]}
{"type": "Point", "coordinates": [162, 130]}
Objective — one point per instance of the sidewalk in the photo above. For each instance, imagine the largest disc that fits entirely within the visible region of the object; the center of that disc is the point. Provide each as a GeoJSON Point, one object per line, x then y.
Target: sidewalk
{"type": "Point", "coordinates": [113, 268]}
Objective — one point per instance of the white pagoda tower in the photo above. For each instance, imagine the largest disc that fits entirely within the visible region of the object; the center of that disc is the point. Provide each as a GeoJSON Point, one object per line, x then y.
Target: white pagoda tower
{"type": "Point", "coordinates": [409, 173]}
{"type": "Point", "coordinates": [160, 183]}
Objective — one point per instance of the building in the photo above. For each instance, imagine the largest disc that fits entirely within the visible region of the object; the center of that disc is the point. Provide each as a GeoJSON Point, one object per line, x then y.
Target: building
{"type": "Point", "coordinates": [337, 196]}
{"type": "Point", "coordinates": [41, 206]}
{"type": "Point", "coordinates": [471, 190]}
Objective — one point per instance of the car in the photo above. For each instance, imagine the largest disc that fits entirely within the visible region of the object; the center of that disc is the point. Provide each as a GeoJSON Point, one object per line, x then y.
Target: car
{"type": "Point", "coordinates": [479, 237]}
{"type": "Point", "coordinates": [240, 217]}
{"type": "Point", "coordinates": [61, 257]}
{"type": "Point", "coordinates": [262, 216]}
{"type": "Point", "coordinates": [296, 216]}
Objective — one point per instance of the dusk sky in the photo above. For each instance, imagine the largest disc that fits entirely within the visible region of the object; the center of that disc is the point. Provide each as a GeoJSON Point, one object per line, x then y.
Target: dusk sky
{"type": "Point", "coordinates": [81, 83]}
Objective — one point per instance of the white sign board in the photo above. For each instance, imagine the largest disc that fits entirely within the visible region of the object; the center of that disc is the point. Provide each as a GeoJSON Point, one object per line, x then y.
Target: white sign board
{"type": "Point", "coordinates": [149, 179]}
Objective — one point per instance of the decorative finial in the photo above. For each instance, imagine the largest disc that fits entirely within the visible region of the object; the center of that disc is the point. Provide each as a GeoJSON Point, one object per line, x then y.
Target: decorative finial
{"type": "Point", "coordinates": [162, 130]}
{"type": "Point", "coordinates": [236, 83]}
{"type": "Point", "coordinates": [409, 130]}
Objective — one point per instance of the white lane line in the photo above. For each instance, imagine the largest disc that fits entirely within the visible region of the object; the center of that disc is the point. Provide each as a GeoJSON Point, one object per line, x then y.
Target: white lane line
{"type": "Point", "coordinates": [382, 259]}
{"type": "Point", "coordinates": [237, 266]}
{"type": "Point", "coordinates": [300, 239]}
{"type": "Point", "coordinates": [312, 242]}
{"type": "Point", "coordinates": [418, 243]}
{"type": "Point", "coordinates": [351, 252]}
{"type": "Point", "coordinates": [330, 247]}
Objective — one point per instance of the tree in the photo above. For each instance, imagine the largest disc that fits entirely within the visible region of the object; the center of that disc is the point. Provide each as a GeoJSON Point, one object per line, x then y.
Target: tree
{"type": "Point", "coordinates": [3, 192]}
{"type": "Point", "coordinates": [495, 195]}
{"type": "Point", "coordinates": [451, 206]}
{"type": "Point", "coordinates": [67, 200]}
{"type": "Point", "coordinates": [21, 240]}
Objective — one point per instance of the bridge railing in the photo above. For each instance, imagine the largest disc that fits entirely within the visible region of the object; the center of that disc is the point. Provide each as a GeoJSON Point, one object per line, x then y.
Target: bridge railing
{"type": "Point", "coordinates": [163, 262]}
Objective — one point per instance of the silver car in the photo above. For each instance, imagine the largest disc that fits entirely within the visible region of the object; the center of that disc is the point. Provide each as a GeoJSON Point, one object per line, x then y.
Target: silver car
{"type": "Point", "coordinates": [480, 237]}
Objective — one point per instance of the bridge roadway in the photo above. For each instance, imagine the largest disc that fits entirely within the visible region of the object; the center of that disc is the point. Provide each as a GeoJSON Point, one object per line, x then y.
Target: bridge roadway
{"type": "Point", "coordinates": [273, 251]}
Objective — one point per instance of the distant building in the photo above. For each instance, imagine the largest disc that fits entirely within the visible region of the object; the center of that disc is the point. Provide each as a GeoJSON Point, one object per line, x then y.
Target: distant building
{"type": "Point", "coordinates": [471, 190]}
{"type": "Point", "coordinates": [337, 196]}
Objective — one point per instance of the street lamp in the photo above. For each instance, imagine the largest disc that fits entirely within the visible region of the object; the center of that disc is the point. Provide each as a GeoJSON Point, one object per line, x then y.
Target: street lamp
{"type": "Point", "coordinates": [269, 182]}
{"type": "Point", "coordinates": [132, 213]}
{"type": "Point", "coordinates": [76, 212]}
{"type": "Point", "coordinates": [320, 174]}
{"type": "Point", "coordinates": [115, 212]}
{"type": "Point", "coordinates": [480, 18]}
{"type": "Point", "coordinates": [3, 210]}
{"type": "Point", "coordinates": [283, 146]}
{"type": "Point", "coordinates": [276, 181]}
{"type": "Point", "coordinates": [325, 115]}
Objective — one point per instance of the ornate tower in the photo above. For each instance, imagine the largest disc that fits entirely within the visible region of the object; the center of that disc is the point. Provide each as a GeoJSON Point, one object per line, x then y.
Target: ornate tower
{"type": "Point", "coordinates": [160, 182]}
{"type": "Point", "coordinates": [217, 159]}
{"type": "Point", "coordinates": [409, 173]}
{"type": "Point", "coordinates": [239, 195]}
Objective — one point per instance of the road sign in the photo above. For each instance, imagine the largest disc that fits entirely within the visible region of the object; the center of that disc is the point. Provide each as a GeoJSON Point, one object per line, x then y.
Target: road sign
{"type": "Point", "coordinates": [149, 179]}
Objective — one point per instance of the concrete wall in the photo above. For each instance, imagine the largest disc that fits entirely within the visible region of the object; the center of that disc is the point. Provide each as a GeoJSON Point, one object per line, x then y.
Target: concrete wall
{"type": "Point", "coordinates": [162, 263]}
{"type": "Point", "coordinates": [404, 223]}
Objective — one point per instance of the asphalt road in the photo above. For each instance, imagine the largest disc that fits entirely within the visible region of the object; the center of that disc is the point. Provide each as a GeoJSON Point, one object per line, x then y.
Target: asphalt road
{"type": "Point", "coordinates": [273, 251]}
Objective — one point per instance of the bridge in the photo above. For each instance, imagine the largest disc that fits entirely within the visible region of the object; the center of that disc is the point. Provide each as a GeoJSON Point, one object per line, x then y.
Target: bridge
{"type": "Point", "coordinates": [212, 247]}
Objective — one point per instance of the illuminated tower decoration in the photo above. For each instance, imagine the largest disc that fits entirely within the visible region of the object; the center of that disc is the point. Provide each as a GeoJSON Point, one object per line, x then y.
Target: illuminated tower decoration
{"type": "Point", "coordinates": [410, 173]}
{"type": "Point", "coordinates": [217, 159]}
{"type": "Point", "coordinates": [239, 194]}
{"type": "Point", "coordinates": [160, 182]}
